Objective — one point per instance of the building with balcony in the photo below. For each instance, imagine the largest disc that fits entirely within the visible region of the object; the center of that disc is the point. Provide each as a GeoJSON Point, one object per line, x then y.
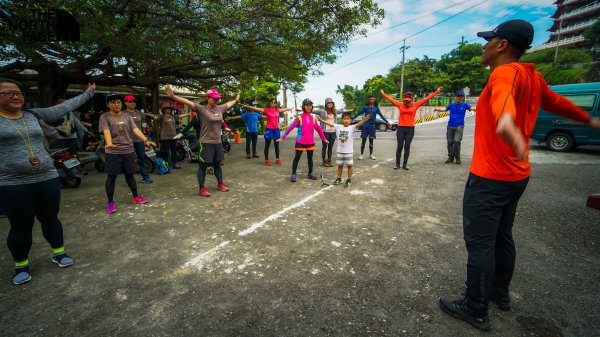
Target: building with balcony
{"type": "Point", "coordinates": [571, 19]}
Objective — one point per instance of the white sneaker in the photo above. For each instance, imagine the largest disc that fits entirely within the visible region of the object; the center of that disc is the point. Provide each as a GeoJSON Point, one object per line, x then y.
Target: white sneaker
{"type": "Point", "coordinates": [372, 157]}
{"type": "Point", "coordinates": [360, 157]}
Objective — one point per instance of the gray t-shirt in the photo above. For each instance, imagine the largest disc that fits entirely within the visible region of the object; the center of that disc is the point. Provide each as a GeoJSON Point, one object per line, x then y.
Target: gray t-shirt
{"type": "Point", "coordinates": [138, 118]}
{"type": "Point", "coordinates": [121, 131]}
{"type": "Point", "coordinates": [210, 120]}
{"type": "Point", "coordinates": [168, 128]}
{"type": "Point", "coordinates": [15, 167]}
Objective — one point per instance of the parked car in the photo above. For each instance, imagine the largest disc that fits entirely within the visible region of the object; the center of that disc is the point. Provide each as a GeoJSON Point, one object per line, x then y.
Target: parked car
{"type": "Point", "coordinates": [561, 134]}
{"type": "Point", "coordinates": [380, 125]}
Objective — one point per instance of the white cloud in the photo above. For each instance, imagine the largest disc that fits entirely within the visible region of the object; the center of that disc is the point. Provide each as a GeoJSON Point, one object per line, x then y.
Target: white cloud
{"type": "Point", "coordinates": [434, 42]}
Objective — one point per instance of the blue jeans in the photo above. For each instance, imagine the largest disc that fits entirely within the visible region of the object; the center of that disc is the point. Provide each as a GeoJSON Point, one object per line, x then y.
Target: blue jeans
{"type": "Point", "coordinates": [140, 153]}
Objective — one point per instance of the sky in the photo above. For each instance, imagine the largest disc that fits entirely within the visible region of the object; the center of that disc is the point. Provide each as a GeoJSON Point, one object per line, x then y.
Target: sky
{"type": "Point", "coordinates": [478, 15]}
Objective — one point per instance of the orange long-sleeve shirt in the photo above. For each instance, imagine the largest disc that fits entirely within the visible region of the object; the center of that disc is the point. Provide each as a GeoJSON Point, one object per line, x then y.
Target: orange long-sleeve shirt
{"type": "Point", "coordinates": [407, 113]}
{"type": "Point", "coordinates": [519, 89]}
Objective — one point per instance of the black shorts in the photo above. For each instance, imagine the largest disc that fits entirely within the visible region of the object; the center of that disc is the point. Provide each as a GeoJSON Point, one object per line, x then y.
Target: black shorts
{"type": "Point", "coordinates": [211, 153]}
{"type": "Point", "coordinates": [117, 163]}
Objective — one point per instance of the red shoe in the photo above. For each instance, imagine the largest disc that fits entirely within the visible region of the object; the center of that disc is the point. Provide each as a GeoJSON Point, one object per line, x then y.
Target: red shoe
{"type": "Point", "coordinates": [278, 162]}
{"type": "Point", "coordinates": [204, 192]}
{"type": "Point", "coordinates": [223, 187]}
{"type": "Point", "coordinates": [268, 163]}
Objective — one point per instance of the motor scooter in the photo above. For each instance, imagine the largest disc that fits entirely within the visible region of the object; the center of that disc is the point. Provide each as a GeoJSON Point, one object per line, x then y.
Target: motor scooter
{"type": "Point", "coordinates": [68, 166]}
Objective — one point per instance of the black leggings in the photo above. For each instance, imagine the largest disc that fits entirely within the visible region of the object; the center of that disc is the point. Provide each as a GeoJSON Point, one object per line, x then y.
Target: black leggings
{"type": "Point", "coordinates": [330, 136]}
{"type": "Point", "coordinates": [309, 156]}
{"type": "Point", "coordinates": [169, 150]}
{"type": "Point", "coordinates": [201, 175]}
{"type": "Point", "coordinates": [267, 145]}
{"type": "Point", "coordinates": [110, 185]}
{"type": "Point", "coordinates": [404, 136]}
{"type": "Point", "coordinates": [22, 204]}
{"type": "Point", "coordinates": [251, 137]}
{"type": "Point", "coordinates": [362, 145]}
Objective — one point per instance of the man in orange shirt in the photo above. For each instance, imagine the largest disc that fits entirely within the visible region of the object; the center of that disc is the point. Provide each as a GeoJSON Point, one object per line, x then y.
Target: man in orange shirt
{"type": "Point", "coordinates": [506, 114]}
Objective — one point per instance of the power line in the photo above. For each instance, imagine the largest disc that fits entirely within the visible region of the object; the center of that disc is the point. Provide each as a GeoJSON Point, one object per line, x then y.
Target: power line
{"type": "Point", "coordinates": [415, 34]}
{"type": "Point", "coordinates": [409, 21]}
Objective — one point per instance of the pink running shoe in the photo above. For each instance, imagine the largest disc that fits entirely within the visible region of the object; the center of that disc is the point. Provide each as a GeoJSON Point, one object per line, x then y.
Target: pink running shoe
{"type": "Point", "coordinates": [110, 209]}
{"type": "Point", "coordinates": [139, 200]}
{"type": "Point", "coordinates": [223, 187]}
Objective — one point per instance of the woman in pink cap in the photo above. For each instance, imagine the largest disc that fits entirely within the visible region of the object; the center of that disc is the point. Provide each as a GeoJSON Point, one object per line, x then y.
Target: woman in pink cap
{"type": "Point", "coordinates": [272, 130]}
{"type": "Point", "coordinates": [211, 148]}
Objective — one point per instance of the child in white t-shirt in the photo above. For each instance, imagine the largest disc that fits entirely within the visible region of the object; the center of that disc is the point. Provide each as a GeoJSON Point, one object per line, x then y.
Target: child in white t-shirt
{"type": "Point", "coordinates": [344, 133]}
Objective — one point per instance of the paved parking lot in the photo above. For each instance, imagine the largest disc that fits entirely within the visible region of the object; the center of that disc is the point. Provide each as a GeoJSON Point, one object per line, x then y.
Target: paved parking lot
{"type": "Point", "coordinates": [272, 258]}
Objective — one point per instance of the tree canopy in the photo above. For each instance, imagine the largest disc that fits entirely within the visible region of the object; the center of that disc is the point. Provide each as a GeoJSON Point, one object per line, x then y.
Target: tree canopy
{"type": "Point", "coordinates": [187, 43]}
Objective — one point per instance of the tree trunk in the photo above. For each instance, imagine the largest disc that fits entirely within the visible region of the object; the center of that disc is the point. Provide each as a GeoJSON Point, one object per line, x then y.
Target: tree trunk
{"type": "Point", "coordinates": [50, 85]}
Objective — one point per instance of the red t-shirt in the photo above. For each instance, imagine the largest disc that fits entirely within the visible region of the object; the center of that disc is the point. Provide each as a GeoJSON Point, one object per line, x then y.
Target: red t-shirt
{"type": "Point", "coordinates": [520, 90]}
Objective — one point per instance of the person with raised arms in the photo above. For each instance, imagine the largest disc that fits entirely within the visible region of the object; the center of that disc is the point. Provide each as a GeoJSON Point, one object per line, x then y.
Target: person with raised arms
{"type": "Point", "coordinates": [211, 147]}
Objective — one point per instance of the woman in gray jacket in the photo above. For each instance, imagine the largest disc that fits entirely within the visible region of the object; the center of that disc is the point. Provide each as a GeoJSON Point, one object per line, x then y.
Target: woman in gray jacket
{"type": "Point", "coordinates": [29, 183]}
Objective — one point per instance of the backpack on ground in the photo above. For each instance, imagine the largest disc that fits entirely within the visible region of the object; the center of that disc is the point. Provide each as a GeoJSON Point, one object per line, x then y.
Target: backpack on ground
{"type": "Point", "coordinates": [162, 166]}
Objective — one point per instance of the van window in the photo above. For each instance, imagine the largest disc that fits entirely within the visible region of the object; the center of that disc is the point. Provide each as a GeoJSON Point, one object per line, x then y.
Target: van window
{"type": "Point", "coordinates": [583, 101]}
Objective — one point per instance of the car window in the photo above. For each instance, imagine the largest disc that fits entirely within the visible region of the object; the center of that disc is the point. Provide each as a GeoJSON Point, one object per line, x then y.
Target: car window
{"type": "Point", "coordinates": [583, 101]}
{"type": "Point", "coordinates": [359, 118]}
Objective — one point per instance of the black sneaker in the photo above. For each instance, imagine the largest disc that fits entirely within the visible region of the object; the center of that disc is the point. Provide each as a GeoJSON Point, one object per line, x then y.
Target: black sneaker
{"type": "Point", "coordinates": [501, 302]}
{"type": "Point", "coordinates": [459, 309]}
{"type": "Point", "coordinates": [337, 181]}
{"type": "Point", "coordinates": [348, 183]}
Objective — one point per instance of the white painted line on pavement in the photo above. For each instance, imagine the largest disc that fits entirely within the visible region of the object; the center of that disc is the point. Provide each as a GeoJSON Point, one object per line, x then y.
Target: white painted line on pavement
{"type": "Point", "coordinates": [274, 216]}
{"type": "Point", "coordinates": [204, 258]}
{"type": "Point", "coordinates": [296, 205]}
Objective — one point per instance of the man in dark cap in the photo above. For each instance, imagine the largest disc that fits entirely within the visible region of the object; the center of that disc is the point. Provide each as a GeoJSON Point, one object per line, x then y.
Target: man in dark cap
{"type": "Point", "coordinates": [506, 114]}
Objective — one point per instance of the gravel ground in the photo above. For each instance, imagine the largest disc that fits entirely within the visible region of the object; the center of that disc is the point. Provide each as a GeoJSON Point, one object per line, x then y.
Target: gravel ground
{"type": "Point", "coordinates": [272, 258]}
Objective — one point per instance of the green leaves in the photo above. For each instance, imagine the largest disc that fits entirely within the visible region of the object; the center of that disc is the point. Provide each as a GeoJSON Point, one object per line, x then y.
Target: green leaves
{"type": "Point", "coordinates": [194, 43]}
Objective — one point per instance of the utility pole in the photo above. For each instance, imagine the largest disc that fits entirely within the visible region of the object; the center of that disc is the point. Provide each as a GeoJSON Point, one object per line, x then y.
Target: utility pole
{"type": "Point", "coordinates": [557, 41]}
{"type": "Point", "coordinates": [462, 41]}
{"type": "Point", "coordinates": [284, 95]}
{"type": "Point", "coordinates": [403, 50]}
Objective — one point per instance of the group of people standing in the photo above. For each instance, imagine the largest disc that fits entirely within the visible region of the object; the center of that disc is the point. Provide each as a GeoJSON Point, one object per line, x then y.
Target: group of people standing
{"type": "Point", "coordinates": [499, 171]}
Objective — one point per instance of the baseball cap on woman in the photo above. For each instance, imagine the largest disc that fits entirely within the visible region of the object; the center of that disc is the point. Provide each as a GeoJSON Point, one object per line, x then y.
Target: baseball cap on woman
{"type": "Point", "coordinates": [130, 98]}
{"type": "Point", "coordinates": [213, 93]}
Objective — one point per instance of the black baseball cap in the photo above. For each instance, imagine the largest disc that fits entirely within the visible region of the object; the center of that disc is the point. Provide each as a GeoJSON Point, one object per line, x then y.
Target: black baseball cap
{"type": "Point", "coordinates": [519, 33]}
